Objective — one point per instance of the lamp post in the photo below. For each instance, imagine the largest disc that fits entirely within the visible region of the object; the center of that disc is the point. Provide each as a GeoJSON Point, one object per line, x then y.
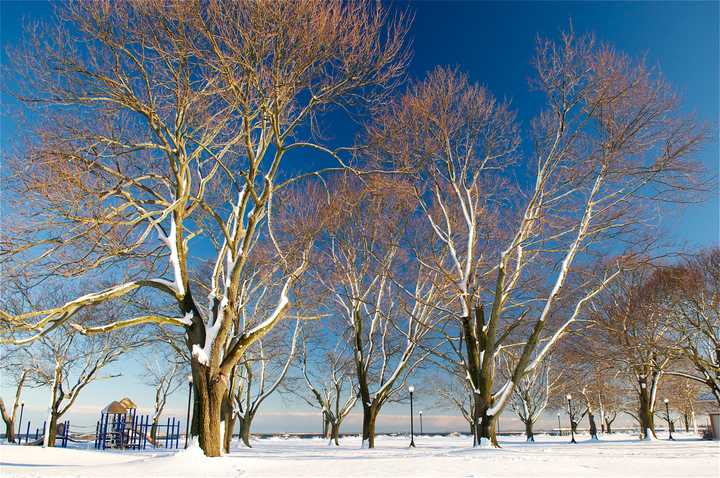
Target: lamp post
{"type": "Point", "coordinates": [572, 432]}
{"type": "Point", "coordinates": [22, 407]}
{"type": "Point", "coordinates": [411, 389]}
{"type": "Point", "coordinates": [421, 423]}
{"type": "Point", "coordinates": [187, 420]}
{"type": "Point", "coordinates": [559, 425]}
{"type": "Point", "coordinates": [667, 417]}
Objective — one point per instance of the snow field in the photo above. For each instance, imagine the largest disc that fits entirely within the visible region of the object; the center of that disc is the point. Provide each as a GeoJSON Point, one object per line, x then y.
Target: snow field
{"type": "Point", "coordinates": [619, 455]}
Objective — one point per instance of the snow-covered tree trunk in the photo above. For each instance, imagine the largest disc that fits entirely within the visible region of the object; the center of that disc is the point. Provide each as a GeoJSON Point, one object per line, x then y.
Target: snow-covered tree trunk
{"type": "Point", "coordinates": [210, 391]}
{"type": "Point", "coordinates": [646, 415]}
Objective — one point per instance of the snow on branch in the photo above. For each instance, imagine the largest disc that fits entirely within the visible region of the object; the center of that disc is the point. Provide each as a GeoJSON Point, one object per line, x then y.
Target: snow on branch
{"type": "Point", "coordinates": [145, 319]}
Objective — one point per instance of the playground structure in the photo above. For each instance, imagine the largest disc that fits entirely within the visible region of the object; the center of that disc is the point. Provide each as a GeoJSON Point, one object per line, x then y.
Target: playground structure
{"type": "Point", "coordinates": [120, 427]}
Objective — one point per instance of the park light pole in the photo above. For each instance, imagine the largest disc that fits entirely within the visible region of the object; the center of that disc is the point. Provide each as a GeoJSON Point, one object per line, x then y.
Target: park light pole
{"type": "Point", "coordinates": [572, 432]}
{"type": "Point", "coordinates": [559, 425]}
{"type": "Point", "coordinates": [22, 407]}
{"type": "Point", "coordinates": [667, 417]}
{"type": "Point", "coordinates": [411, 389]}
{"type": "Point", "coordinates": [187, 419]}
{"type": "Point", "coordinates": [421, 432]}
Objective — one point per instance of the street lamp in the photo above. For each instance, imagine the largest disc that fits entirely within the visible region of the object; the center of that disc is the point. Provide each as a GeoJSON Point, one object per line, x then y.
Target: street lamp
{"type": "Point", "coordinates": [187, 420]}
{"type": "Point", "coordinates": [572, 432]}
{"type": "Point", "coordinates": [411, 389]}
{"type": "Point", "coordinates": [559, 426]}
{"type": "Point", "coordinates": [421, 423]}
{"type": "Point", "coordinates": [22, 407]}
{"type": "Point", "coordinates": [667, 417]}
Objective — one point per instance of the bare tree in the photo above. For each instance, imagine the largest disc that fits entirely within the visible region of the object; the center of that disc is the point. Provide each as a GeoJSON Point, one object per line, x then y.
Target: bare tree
{"type": "Point", "coordinates": [71, 362]}
{"type": "Point", "coordinates": [534, 393]}
{"type": "Point", "coordinates": [453, 388]}
{"type": "Point", "coordinates": [683, 394]}
{"type": "Point", "coordinates": [328, 375]}
{"type": "Point", "coordinates": [385, 298]}
{"type": "Point", "coordinates": [611, 140]}
{"type": "Point", "coordinates": [632, 318]}
{"type": "Point", "coordinates": [261, 372]}
{"type": "Point", "coordinates": [695, 311]}
{"type": "Point", "coordinates": [165, 373]}
{"type": "Point", "coordinates": [163, 128]}
{"type": "Point", "coordinates": [18, 368]}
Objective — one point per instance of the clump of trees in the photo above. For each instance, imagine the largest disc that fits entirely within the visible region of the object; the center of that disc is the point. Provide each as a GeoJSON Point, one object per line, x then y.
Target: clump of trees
{"type": "Point", "coordinates": [171, 133]}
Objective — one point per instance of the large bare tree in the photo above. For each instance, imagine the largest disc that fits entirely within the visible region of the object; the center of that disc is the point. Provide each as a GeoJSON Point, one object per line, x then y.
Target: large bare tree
{"type": "Point", "coordinates": [164, 128]}
{"type": "Point", "coordinates": [695, 311]}
{"type": "Point", "coordinates": [610, 140]}
{"type": "Point", "coordinates": [631, 321]}
{"type": "Point", "coordinates": [384, 296]}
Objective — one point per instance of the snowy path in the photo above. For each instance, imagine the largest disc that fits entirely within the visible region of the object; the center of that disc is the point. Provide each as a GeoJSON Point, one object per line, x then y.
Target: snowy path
{"type": "Point", "coordinates": [616, 456]}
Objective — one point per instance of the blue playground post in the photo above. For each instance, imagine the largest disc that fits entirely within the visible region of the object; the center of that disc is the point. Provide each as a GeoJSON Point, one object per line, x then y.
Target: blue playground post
{"type": "Point", "coordinates": [104, 431]}
{"type": "Point", "coordinates": [167, 432]}
{"type": "Point", "coordinates": [66, 433]}
{"type": "Point", "coordinates": [172, 432]}
{"type": "Point", "coordinates": [177, 435]}
{"type": "Point", "coordinates": [145, 431]}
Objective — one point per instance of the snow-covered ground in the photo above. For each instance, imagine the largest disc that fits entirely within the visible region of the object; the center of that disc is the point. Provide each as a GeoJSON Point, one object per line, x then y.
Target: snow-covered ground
{"type": "Point", "coordinates": [435, 456]}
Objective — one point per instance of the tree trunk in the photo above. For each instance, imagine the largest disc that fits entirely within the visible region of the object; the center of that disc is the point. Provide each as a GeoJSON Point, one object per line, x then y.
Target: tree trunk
{"type": "Point", "coordinates": [211, 393]}
{"type": "Point", "coordinates": [335, 433]}
{"type": "Point", "coordinates": [52, 430]}
{"type": "Point", "coordinates": [608, 430]}
{"type": "Point", "coordinates": [369, 417]}
{"type": "Point", "coordinates": [529, 436]}
{"type": "Point", "coordinates": [645, 416]}
{"type": "Point", "coordinates": [487, 431]}
{"type": "Point", "coordinates": [593, 426]}
{"type": "Point", "coordinates": [153, 429]}
{"type": "Point", "coordinates": [574, 425]}
{"type": "Point", "coordinates": [245, 424]}
{"type": "Point", "coordinates": [9, 430]}
{"type": "Point", "coordinates": [229, 428]}
{"type": "Point", "coordinates": [326, 427]}
{"type": "Point", "coordinates": [686, 419]}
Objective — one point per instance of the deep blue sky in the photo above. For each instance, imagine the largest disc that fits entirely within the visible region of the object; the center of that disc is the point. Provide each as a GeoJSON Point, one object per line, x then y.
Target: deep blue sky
{"type": "Point", "coordinates": [493, 43]}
